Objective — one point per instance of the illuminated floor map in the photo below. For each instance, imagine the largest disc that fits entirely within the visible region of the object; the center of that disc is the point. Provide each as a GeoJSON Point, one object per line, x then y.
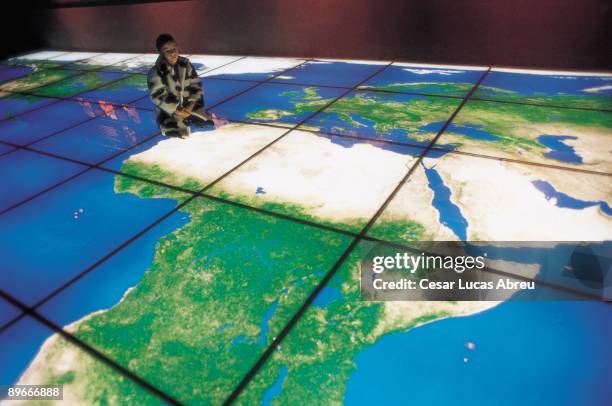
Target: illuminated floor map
{"type": "Point", "coordinates": [139, 269]}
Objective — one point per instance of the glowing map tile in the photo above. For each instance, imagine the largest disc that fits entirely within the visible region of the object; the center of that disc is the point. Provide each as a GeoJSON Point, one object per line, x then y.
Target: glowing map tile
{"type": "Point", "coordinates": [205, 63]}
{"type": "Point", "coordinates": [74, 56]}
{"type": "Point", "coordinates": [554, 136]}
{"type": "Point", "coordinates": [4, 149]}
{"type": "Point", "coordinates": [326, 179]}
{"type": "Point", "coordinates": [215, 91]}
{"type": "Point", "coordinates": [24, 173]}
{"type": "Point", "coordinates": [103, 62]}
{"type": "Point", "coordinates": [7, 312]}
{"type": "Point", "coordinates": [38, 59]}
{"type": "Point", "coordinates": [343, 73]}
{"type": "Point", "coordinates": [35, 80]}
{"type": "Point", "coordinates": [342, 341]}
{"type": "Point", "coordinates": [14, 72]}
{"type": "Point", "coordinates": [194, 162]}
{"type": "Point", "coordinates": [57, 235]}
{"type": "Point", "coordinates": [123, 91]}
{"type": "Point", "coordinates": [21, 344]}
{"type": "Point", "coordinates": [452, 196]}
{"type": "Point", "coordinates": [426, 79]}
{"type": "Point", "coordinates": [225, 253]}
{"type": "Point", "coordinates": [403, 118]}
{"type": "Point", "coordinates": [34, 125]}
{"type": "Point", "coordinates": [141, 64]}
{"type": "Point", "coordinates": [274, 103]}
{"type": "Point", "coordinates": [572, 89]}
{"type": "Point", "coordinates": [77, 84]}
{"type": "Point", "coordinates": [102, 137]}
{"type": "Point", "coordinates": [254, 68]}
{"type": "Point", "coordinates": [13, 104]}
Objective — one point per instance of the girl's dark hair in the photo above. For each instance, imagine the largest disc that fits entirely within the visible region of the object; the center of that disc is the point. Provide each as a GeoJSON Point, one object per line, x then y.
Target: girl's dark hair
{"type": "Point", "coordinates": [162, 39]}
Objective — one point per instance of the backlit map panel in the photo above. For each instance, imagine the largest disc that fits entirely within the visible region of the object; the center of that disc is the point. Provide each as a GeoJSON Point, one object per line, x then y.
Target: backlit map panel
{"type": "Point", "coordinates": [162, 270]}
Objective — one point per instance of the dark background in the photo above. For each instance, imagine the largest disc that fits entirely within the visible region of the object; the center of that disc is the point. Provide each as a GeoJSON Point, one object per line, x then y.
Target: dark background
{"type": "Point", "coordinates": [571, 34]}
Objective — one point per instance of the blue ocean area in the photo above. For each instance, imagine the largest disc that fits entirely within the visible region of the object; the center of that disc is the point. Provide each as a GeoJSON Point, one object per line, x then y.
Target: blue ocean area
{"type": "Point", "coordinates": [7, 312]}
{"type": "Point", "coordinates": [100, 138]}
{"type": "Point", "coordinates": [119, 92]}
{"type": "Point", "coordinates": [567, 201]}
{"type": "Point", "coordinates": [72, 227]}
{"type": "Point", "coordinates": [469, 360]}
{"type": "Point", "coordinates": [328, 73]}
{"type": "Point", "coordinates": [347, 142]}
{"type": "Point", "coordinates": [31, 173]}
{"type": "Point", "coordinates": [13, 72]}
{"type": "Point", "coordinates": [10, 106]}
{"type": "Point", "coordinates": [80, 83]}
{"type": "Point", "coordinates": [4, 149]}
{"type": "Point", "coordinates": [270, 96]}
{"type": "Point", "coordinates": [253, 76]}
{"type": "Point", "coordinates": [360, 126]}
{"type": "Point", "coordinates": [580, 266]}
{"type": "Point", "coordinates": [215, 91]}
{"type": "Point", "coordinates": [34, 125]}
{"type": "Point", "coordinates": [533, 353]}
{"type": "Point", "coordinates": [219, 74]}
{"type": "Point", "coordinates": [559, 150]}
{"type": "Point", "coordinates": [474, 132]}
{"type": "Point", "coordinates": [416, 74]}
{"type": "Point", "coordinates": [545, 85]}
{"type": "Point", "coordinates": [558, 349]}
{"type": "Point", "coordinates": [332, 124]}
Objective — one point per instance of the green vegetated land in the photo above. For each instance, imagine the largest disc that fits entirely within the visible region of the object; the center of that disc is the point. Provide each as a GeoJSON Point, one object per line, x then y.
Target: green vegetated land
{"type": "Point", "coordinates": [509, 121]}
{"type": "Point", "coordinates": [290, 209]}
{"type": "Point", "coordinates": [50, 82]}
{"type": "Point", "coordinates": [35, 64]}
{"type": "Point", "coordinates": [296, 211]}
{"type": "Point", "coordinates": [72, 86]}
{"type": "Point", "coordinates": [319, 354]}
{"type": "Point", "coordinates": [137, 81]}
{"type": "Point", "coordinates": [438, 88]}
{"type": "Point", "coordinates": [388, 114]}
{"type": "Point", "coordinates": [400, 231]}
{"type": "Point", "coordinates": [37, 78]}
{"type": "Point", "coordinates": [384, 110]}
{"type": "Point", "coordinates": [592, 101]}
{"type": "Point", "coordinates": [219, 290]}
{"type": "Point", "coordinates": [385, 113]}
{"type": "Point", "coordinates": [501, 117]}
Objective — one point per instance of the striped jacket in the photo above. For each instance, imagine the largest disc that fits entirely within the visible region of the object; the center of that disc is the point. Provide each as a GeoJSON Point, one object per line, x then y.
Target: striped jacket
{"type": "Point", "coordinates": [171, 87]}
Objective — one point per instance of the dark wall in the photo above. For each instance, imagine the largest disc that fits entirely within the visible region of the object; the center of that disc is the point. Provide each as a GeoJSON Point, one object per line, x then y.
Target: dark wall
{"type": "Point", "coordinates": [572, 34]}
{"type": "Point", "coordinates": [26, 37]}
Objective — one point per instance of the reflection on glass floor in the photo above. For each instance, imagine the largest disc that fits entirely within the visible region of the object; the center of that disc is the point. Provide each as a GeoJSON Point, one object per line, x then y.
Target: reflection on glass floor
{"type": "Point", "coordinates": [226, 265]}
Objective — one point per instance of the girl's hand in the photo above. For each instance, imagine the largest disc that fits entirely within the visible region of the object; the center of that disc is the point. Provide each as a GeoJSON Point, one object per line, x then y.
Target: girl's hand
{"type": "Point", "coordinates": [180, 113]}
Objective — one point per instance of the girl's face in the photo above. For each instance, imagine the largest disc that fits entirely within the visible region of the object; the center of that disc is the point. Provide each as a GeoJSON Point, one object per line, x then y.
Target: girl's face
{"type": "Point", "coordinates": [170, 52]}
